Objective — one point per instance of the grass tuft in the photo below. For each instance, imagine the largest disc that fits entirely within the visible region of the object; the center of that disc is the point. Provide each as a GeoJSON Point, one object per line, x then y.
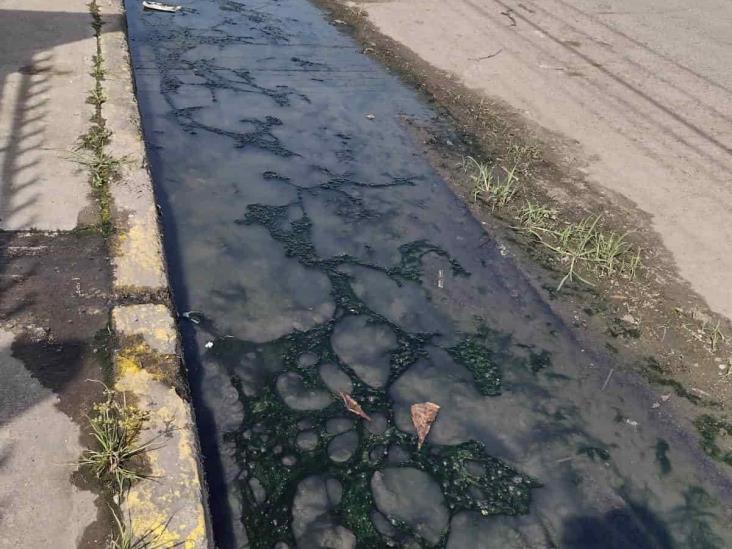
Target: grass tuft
{"type": "Point", "coordinates": [489, 184]}
{"type": "Point", "coordinates": [116, 427]}
{"type": "Point", "coordinates": [102, 166]}
{"type": "Point", "coordinates": [584, 248]}
{"type": "Point", "coordinates": [95, 139]}
{"type": "Point", "coordinates": [96, 96]}
{"type": "Point", "coordinates": [126, 539]}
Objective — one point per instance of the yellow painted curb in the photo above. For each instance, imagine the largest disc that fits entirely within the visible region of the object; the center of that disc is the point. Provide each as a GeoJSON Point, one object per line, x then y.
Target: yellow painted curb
{"type": "Point", "coordinates": [171, 507]}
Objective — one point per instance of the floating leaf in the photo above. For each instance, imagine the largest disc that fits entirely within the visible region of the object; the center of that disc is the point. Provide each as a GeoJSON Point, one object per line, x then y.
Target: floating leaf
{"type": "Point", "coordinates": [423, 416]}
{"type": "Point", "coordinates": [353, 406]}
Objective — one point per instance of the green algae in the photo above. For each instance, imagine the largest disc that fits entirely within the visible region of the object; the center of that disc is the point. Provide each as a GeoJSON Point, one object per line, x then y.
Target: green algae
{"type": "Point", "coordinates": [410, 264]}
{"type": "Point", "coordinates": [654, 372]}
{"type": "Point", "coordinates": [355, 511]}
{"type": "Point", "coordinates": [265, 445]}
{"type": "Point", "coordinates": [478, 359]}
{"type": "Point", "coordinates": [711, 429]}
{"type": "Point", "coordinates": [664, 463]}
{"type": "Point", "coordinates": [693, 518]}
{"type": "Point", "coordinates": [269, 430]}
{"type": "Point", "coordinates": [539, 361]}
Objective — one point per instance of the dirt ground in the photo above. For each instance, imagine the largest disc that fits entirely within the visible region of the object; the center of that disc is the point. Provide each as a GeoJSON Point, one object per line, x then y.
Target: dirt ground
{"type": "Point", "coordinates": [662, 319]}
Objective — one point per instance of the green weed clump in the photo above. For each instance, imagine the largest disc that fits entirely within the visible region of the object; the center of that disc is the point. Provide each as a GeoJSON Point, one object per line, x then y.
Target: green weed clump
{"type": "Point", "coordinates": [102, 167]}
{"type": "Point", "coordinates": [584, 248]}
{"type": "Point", "coordinates": [492, 184]}
{"type": "Point", "coordinates": [116, 427]}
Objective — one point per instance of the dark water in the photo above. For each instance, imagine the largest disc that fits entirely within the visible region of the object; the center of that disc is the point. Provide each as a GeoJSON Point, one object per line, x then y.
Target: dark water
{"type": "Point", "coordinates": [321, 253]}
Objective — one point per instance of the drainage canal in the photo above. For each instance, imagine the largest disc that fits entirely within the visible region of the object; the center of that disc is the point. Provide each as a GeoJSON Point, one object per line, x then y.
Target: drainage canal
{"type": "Point", "coordinates": [314, 251]}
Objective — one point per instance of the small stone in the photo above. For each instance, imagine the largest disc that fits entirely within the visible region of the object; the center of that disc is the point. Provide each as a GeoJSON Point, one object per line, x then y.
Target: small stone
{"type": "Point", "coordinates": [413, 496]}
{"type": "Point", "coordinates": [397, 454]}
{"type": "Point", "coordinates": [289, 461]}
{"type": "Point", "coordinates": [382, 524]}
{"type": "Point", "coordinates": [378, 424]}
{"type": "Point", "coordinates": [338, 425]}
{"type": "Point", "coordinates": [342, 447]}
{"type": "Point", "coordinates": [306, 360]}
{"type": "Point", "coordinates": [298, 396]}
{"type": "Point", "coordinates": [305, 424]}
{"type": "Point", "coordinates": [313, 523]}
{"type": "Point", "coordinates": [334, 489]}
{"type": "Point", "coordinates": [336, 379]}
{"type": "Point", "coordinates": [257, 490]}
{"type": "Point", "coordinates": [307, 440]}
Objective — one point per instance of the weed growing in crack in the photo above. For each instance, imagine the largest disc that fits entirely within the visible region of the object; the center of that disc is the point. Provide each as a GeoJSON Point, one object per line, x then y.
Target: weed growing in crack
{"type": "Point", "coordinates": [116, 428]}
{"type": "Point", "coordinates": [96, 96]}
{"type": "Point", "coordinates": [102, 167]}
{"type": "Point", "coordinates": [98, 71]}
{"type": "Point", "coordinates": [95, 139]}
{"type": "Point", "coordinates": [90, 153]}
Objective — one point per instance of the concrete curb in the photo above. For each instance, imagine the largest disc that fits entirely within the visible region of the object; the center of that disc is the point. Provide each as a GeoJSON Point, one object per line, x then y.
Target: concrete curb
{"type": "Point", "coordinates": [147, 360]}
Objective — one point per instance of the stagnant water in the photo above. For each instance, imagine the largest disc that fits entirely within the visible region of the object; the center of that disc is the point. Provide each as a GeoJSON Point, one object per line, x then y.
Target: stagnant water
{"type": "Point", "coordinates": [317, 251]}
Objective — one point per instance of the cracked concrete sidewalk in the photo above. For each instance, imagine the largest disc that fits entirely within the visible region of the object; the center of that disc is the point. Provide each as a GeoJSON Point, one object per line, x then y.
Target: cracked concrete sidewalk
{"type": "Point", "coordinates": [53, 288]}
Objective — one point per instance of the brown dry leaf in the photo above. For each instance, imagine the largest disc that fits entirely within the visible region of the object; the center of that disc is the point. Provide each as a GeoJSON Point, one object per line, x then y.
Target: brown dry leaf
{"type": "Point", "coordinates": [353, 406]}
{"type": "Point", "coordinates": [423, 416]}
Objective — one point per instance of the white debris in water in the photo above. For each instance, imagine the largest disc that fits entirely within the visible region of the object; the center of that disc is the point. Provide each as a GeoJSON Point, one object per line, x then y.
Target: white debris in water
{"type": "Point", "coordinates": [157, 6]}
{"type": "Point", "coordinates": [631, 422]}
{"type": "Point", "coordinates": [208, 344]}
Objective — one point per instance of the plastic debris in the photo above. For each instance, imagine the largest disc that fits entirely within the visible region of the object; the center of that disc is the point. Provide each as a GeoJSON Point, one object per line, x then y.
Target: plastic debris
{"type": "Point", "coordinates": [208, 344]}
{"type": "Point", "coordinates": [193, 316]}
{"type": "Point", "coordinates": [370, 116]}
{"type": "Point", "coordinates": [157, 6]}
{"type": "Point", "coordinates": [423, 416]}
{"type": "Point", "coordinates": [353, 406]}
